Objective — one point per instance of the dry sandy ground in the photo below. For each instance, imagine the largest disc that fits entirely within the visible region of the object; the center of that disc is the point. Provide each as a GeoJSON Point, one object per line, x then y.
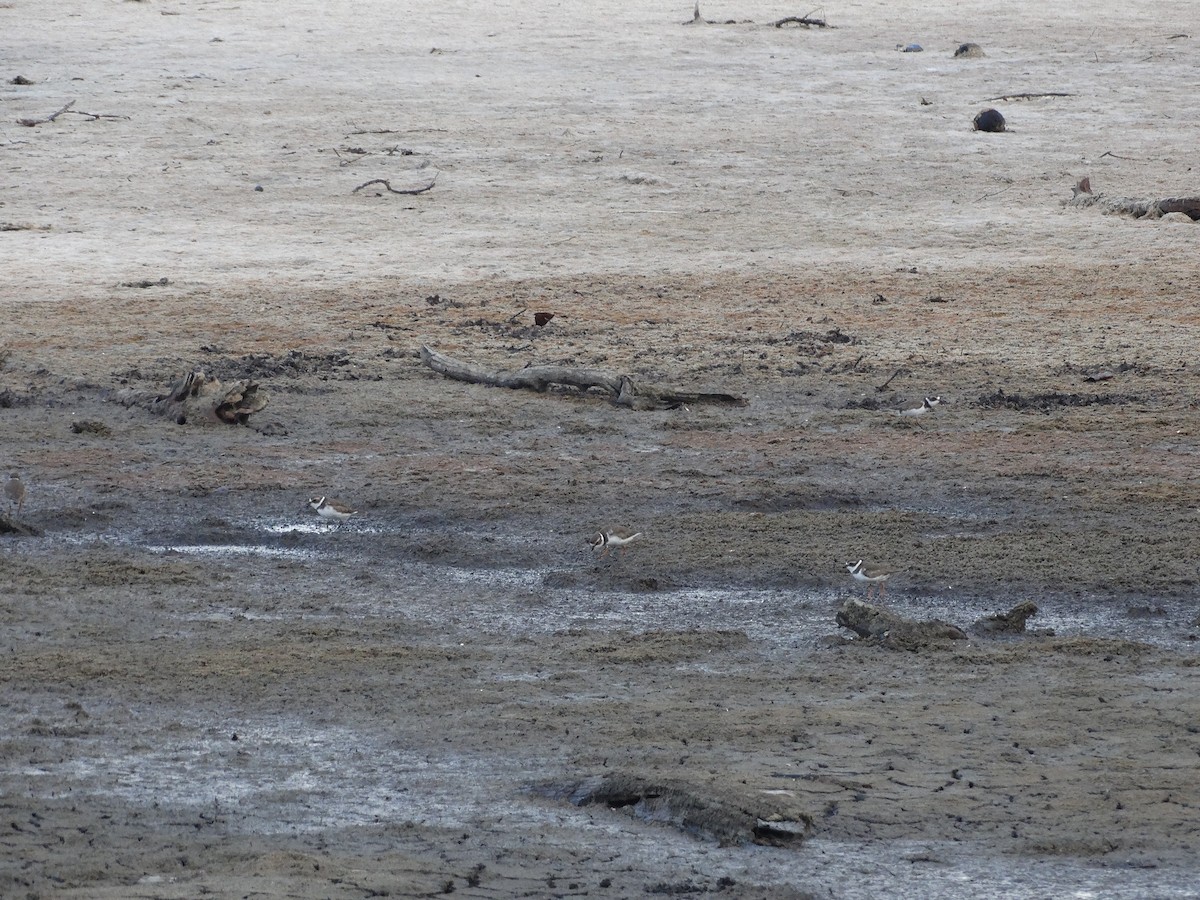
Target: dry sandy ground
{"type": "Point", "coordinates": [207, 693]}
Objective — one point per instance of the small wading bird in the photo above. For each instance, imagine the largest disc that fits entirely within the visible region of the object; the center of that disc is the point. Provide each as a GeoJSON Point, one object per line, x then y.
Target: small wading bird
{"type": "Point", "coordinates": [14, 490]}
{"type": "Point", "coordinates": [927, 405]}
{"type": "Point", "coordinates": [603, 541]}
{"type": "Point", "coordinates": [331, 509]}
{"type": "Point", "coordinates": [871, 576]}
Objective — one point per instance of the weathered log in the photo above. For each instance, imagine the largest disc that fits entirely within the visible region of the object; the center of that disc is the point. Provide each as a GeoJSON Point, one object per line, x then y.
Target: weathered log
{"type": "Point", "coordinates": [733, 815]}
{"type": "Point", "coordinates": [867, 620]}
{"type": "Point", "coordinates": [622, 389]}
{"type": "Point", "coordinates": [885, 627]}
{"type": "Point", "coordinates": [198, 399]}
{"type": "Point", "coordinates": [1138, 207]}
{"type": "Point", "coordinates": [806, 21]}
{"type": "Point", "coordinates": [10, 525]}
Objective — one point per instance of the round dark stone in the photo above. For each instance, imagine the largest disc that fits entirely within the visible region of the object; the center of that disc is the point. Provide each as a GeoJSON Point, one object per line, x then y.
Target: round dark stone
{"type": "Point", "coordinates": [989, 120]}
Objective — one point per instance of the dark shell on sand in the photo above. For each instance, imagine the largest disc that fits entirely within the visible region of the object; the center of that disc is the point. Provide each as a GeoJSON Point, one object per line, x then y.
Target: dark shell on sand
{"type": "Point", "coordinates": [989, 120]}
{"type": "Point", "coordinates": [969, 51]}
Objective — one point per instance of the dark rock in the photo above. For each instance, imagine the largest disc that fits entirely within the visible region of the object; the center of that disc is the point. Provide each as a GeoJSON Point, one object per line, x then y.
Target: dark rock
{"type": "Point", "coordinates": [1011, 622]}
{"type": "Point", "coordinates": [88, 426]}
{"type": "Point", "coordinates": [989, 120]}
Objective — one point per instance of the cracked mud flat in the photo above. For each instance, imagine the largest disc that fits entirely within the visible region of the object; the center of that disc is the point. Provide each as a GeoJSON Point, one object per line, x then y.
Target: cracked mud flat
{"type": "Point", "coordinates": [208, 692]}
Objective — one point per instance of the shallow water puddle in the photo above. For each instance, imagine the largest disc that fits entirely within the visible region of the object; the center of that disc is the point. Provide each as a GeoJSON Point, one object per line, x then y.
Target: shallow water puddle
{"type": "Point", "coordinates": [523, 601]}
{"type": "Point", "coordinates": [772, 617]}
{"type": "Point", "coordinates": [320, 527]}
{"type": "Point", "coordinates": [264, 772]}
{"type": "Point", "coordinates": [234, 550]}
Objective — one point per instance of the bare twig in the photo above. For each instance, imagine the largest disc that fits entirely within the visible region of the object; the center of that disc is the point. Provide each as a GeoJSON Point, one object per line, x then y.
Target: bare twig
{"type": "Point", "coordinates": [806, 21]}
{"type": "Point", "coordinates": [1028, 96]}
{"type": "Point", "coordinates": [992, 194]}
{"type": "Point", "coordinates": [883, 387]}
{"type": "Point", "coordinates": [29, 123]}
{"type": "Point", "coordinates": [95, 116]}
{"type": "Point", "coordinates": [393, 190]}
{"type": "Point", "coordinates": [359, 152]}
{"type": "Point", "coordinates": [1138, 207]}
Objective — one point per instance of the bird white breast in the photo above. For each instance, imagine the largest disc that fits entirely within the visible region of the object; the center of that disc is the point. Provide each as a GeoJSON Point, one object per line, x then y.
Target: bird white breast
{"type": "Point", "coordinates": [328, 512]}
{"type": "Point", "coordinates": [617, 540]}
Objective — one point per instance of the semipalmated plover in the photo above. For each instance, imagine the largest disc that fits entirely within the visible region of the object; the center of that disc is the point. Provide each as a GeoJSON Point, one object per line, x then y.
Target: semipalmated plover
{"type": "Point", "coordinates": [14, 490]}
{"type": "Point", "coordinates": [603, 541]}
{"type": "Point", "coordinates": [331, 509]}
{"type": "Point", "coordinates": [871, 576]}
{"type": "Point", "coordinates": [927, 405]}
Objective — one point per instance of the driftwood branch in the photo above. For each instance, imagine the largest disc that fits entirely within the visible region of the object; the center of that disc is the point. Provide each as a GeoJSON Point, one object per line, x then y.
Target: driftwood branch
{"type": "Point", "coordinates": [807, 21]}
{"type": "Point", "coordinates": [94, 116]}
{"type": "Point", "coordinates": [30, 123]}
{"type": "Point", "coordinates": [882, 626]}
{"type": "Point", "coordinates": [886, 627]}
{"type": "Point", "coordinates": [732, 816]}
{"type": "Point", "coordinates": [1138, 207]}
{"type": "Point", "coordinates": [1028, 96]}
{"type": "Point", "coordinates": [623, 390]}
{"type": "Point", "coordinates": [393, 190]}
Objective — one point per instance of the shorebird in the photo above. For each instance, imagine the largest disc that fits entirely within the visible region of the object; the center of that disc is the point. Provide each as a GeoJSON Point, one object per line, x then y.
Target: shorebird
{"type": "Point", "coordinates": [14, 490]}
{"type": "Point", "coordinates": [331, 509]}
{"type": "Point", "coordinates": [603, 541]}
{"type": "Point", "coordinates": [927, 405]}
{"type": "Point", "coordinates": [871, 576]}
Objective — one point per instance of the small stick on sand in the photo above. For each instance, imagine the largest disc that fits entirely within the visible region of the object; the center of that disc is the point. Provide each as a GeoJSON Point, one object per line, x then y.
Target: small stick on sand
{"type": "Point", "coordinates": [883, 387]}
{"type": "Point", "coordinates": [806, 21]}
{"type": "Point", "coordinates": [393, 190]}
{"type": "Point", "coordinates": [94, 116]}
{"type": "Point", "coordinates": [29, 123]}
{"type": "Point", "coordinates": [1032, 96]}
